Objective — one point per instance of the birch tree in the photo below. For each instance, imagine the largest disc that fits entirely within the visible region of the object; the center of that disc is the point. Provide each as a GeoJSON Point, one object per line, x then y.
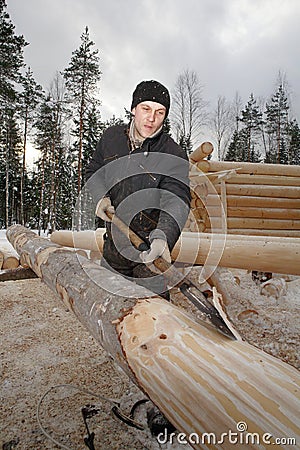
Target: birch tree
{"type": "Point", "coordinates": [189, 113]}
{"type": "Point", "coordinates": [222, 125]}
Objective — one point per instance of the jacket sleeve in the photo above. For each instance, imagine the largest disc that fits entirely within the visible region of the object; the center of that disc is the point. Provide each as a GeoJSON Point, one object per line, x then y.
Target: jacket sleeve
{"type": "Point", "coordinates": [174, 203]}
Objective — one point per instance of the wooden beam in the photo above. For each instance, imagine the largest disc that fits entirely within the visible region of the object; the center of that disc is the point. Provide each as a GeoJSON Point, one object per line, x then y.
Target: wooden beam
{"type": "Point", "coordinates": [256, 232]}
{"type": "Point", "coordinates": [198, 378]}
{"type": "Point", "coordinates": [81, 240]}
{"type": "Point", "coordinates": [250, 212]}
{"type": "Point", "coordinates": [292, 192]}
{"type": "Point", "coordinates": [250, 168]}
{"type": "Point", "coordinates": [201, 152]}
{"type": "Point", "coordinates": [254, 201]}
{"type": "Point", "coordinates": [265, 254]}
{"type": "Point", "coordinates": [255, 222]}
{"type": "Point", "coordinates": [235, 250]}
{"type": "Point", "coordinates": [270, 180]}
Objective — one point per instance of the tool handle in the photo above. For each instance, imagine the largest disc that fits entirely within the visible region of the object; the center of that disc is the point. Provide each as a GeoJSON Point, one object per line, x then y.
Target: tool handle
{"type": "Point", "coordinates": [138, 242]}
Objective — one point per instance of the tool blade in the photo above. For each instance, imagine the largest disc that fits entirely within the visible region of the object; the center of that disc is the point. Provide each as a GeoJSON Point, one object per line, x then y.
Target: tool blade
{"type": "Point", "coordinates": [210, 312]}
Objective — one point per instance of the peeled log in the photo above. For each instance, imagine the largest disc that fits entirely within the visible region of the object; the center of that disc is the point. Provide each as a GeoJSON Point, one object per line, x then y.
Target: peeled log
{"type": "Point", "coordinates": [250, 168]}
{"type": "Point", "coordinates": [267, 254]}
{"type": "Point", "coordinates": [201, 152]}
{"type": "Point", "coordinates": [254, 201]}
{"type": "Point", "coordinates": [80, 239]}
{"type": "Point", "coordinates": [270, 233]}
{"type": "Point", "coordinates": [255, 222]}
{"type": "Point", "coordinates": [292, 192]}
{"type": "Point", "coordinates": [235, 251]}
{"type": "Point", "coordinates": [202, 381]}
{"type": "Point", "coordinates": [251, 212]}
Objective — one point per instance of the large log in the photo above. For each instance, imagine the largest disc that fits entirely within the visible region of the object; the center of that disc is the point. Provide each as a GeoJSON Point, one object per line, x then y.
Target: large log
{"type": "Point", "coordinates": [270, 180]}
{"type": "Point", "coordinates": [270, 233]}
{"type": "Point", "coordinates": [265, 254]}
{"type": "Point", "coordinates": [292, 192]}
{"type": "Point", "coordinates": [235, 251]}
{"type": "Point", "coordinates": [243, 211]}
{"type": "Point", "coordinates": [201, 152]}
{"type": "Point", "coordinates": [82, 240]}
{"type": "Point", "coordinates": [254, 201]}
{"type": "Point", "coordinates": [202, 381]}
{"type": "Point", "coordinates": [250, 168]}
{"type": "Point", "coordinates": [255, 222]}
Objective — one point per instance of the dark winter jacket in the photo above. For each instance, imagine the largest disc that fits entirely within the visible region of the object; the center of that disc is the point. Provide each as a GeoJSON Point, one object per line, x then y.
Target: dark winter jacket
{"type": "Point", "coordinates": [149, 187]}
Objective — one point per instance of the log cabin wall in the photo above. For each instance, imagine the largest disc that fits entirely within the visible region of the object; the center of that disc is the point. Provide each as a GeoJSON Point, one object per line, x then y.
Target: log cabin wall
{"type": "Point", "coordinates": [244, 198]}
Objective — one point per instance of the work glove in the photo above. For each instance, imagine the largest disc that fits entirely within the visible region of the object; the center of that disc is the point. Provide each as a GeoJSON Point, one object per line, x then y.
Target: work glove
{"type": "Point", "coordinates": [104, 205]}
{"type": "Point", "coordinates": [159, 247]}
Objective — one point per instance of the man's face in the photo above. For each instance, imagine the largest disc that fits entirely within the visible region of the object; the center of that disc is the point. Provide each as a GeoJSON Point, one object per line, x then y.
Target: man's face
{"type": "Point", "coordinates": [149, 117]}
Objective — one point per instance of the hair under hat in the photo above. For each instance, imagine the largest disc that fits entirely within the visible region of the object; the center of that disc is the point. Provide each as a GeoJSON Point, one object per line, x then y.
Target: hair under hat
{"type": "Point", "coordinates": [151, 91]}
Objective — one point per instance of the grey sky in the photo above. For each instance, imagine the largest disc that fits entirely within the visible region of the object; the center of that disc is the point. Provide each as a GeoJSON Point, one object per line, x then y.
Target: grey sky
{"type": "Point", "coordinates": [233, 45]}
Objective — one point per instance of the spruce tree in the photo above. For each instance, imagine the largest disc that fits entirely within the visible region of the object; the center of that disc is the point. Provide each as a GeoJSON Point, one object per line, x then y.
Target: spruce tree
{"type": "Point", "coordinates": [251, 119]}
{"type": "Point", "coordinates": [82, 77]}
{"type": "Point", "coordinates": [294, 143]}
{"type": "Point", "coordinates": [277, 121]}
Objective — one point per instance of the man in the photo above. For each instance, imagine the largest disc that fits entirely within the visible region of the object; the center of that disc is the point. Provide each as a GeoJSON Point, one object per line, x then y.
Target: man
{"type": "Point", "coordinates": [140, 173]}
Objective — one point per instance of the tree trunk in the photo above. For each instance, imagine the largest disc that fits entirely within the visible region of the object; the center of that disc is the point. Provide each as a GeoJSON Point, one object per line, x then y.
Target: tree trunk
{"type": "Point", "coordinates": [202, 381]}
{"type": "Point", "coordinates": [22, 181]}
{"type": "Point", "coordinates": [19, 273]}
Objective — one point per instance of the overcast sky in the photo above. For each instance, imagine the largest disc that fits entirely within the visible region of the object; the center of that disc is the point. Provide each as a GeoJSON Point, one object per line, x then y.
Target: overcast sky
{"type": "Point", "coordinates": [233, 45]}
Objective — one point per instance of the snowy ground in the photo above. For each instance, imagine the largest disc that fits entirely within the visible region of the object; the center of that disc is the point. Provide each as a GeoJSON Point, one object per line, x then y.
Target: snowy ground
{"type": "Point", "coordinates": [43, 345]}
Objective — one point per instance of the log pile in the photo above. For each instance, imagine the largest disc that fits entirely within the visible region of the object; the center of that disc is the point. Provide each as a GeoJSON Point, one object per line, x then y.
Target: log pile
{"type": "Point", "coordinates": [202, 381]}
{"type": "Point", "coordinates": [9, 260]}
{"type": "Point", "coordinates": [246, 198]}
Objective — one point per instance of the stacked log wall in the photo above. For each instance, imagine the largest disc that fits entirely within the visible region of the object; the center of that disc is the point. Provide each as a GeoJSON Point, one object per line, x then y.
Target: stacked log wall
{"type": "Point", "coordinates": [244, 198]}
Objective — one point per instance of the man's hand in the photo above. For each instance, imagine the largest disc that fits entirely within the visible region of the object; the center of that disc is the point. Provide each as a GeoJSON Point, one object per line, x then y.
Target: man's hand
{"type": "Point", "coordinates": [159, 247]}
{"type": "Point", "coordinates": [102, 206]}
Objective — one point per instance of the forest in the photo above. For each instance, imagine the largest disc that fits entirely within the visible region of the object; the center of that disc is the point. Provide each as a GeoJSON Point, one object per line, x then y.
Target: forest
{"type": "Point", "coordinates": [63, 123]}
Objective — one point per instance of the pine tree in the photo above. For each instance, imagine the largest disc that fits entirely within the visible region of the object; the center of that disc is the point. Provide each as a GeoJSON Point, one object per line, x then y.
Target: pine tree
{"type": "Point", "coordinates": [252, 121]}
{"type": "Point", "coordinates": [49, 140]}
{"type": "Point", "coordinates": [82, 77]}
{"type": "Point", "coordinates": [11, 57]}
{"type": "Point", "coordinates": [277, 112]}
{"type": "Point", "coordinates": [28, 101]}
{"type": "Point", "coordinates": [10, 145]}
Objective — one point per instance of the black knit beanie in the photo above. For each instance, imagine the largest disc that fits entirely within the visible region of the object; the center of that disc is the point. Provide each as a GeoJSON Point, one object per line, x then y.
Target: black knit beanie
{"type": "Point", "coordinates": [151, 91]}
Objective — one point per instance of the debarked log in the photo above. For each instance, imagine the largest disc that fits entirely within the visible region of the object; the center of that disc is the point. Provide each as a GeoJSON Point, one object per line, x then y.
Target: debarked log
{"type": "Point", "coordinates": [202, 381]}
{"type": "Point", "coordinates": [267, 254]}
{"type": "Point", "coordinates": [234, 251]}
{"type": "Point", "coordinates": [201, 152]}
{"type": "Point", "coordinates": [254, 201]}
{"type": "Point", "coordinates": [251, 212]}
{"type": "Point", "coordinates": [250, 168]}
